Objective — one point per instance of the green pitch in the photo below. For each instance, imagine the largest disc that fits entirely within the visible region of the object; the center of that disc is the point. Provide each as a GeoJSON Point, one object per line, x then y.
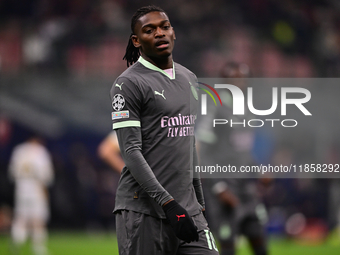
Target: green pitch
{"type": "Point", "coordinates": [70, 243]}
{"type": "Point", "coordinates": [289, 247]}
{"type": "Point", "coordinates": [76, 243]}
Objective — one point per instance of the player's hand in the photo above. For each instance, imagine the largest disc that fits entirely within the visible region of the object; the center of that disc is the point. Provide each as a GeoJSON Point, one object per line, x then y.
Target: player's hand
{"type": "Point", "coordinates": [181, 222]}
{"type": "Point", "coordinates": [203, 211]}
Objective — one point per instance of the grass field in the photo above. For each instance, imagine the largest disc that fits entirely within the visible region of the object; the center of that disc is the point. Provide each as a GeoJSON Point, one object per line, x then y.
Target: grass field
{"type": "Point", "coordinates": [77, 243]}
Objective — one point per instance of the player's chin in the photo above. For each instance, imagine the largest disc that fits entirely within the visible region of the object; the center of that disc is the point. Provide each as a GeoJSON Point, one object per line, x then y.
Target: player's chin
{"type": "Point", "coordinates": [164, 53]}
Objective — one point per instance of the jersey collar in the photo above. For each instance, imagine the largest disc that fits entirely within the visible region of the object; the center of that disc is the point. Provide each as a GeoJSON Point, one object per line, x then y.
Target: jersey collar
{"type": "Point", "coordinates": [151, 66]}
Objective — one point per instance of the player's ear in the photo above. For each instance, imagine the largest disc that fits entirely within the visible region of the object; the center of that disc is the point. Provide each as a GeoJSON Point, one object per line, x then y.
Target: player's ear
{"type": "Point", "coordinates": [173, 30]}
{"type": "Point", "coordinates": [135, 41]}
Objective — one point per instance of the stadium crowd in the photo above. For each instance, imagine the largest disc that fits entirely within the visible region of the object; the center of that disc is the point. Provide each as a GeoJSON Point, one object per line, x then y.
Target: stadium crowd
{"type": "Point", "coordinates": [290, 39]}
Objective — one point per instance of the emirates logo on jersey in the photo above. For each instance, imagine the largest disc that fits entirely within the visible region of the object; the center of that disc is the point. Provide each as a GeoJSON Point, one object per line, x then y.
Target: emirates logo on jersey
{"type": "Point", "coordinates": [179, 125]}
{"type": "Point", "coordinates": [118, 102]}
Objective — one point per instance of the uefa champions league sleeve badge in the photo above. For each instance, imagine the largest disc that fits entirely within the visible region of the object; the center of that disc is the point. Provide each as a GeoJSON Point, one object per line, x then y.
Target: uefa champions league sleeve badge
{"type": "Point", "coordinates": [118, 102]}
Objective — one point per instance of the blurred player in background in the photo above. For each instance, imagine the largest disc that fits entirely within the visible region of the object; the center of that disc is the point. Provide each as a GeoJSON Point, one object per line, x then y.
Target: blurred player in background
{"type": "Point", "coordinates": [158, 203]}
{"type": "Point", "coordinates": [31, 171]}
{"type": "Point", "coordinates": [234, 208]}
{"type": "Point", "coordinates": [109, 151]}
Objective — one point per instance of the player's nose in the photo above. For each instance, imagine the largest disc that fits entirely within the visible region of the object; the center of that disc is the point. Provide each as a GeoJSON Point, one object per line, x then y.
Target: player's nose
{"type": "Point", "coordinates": [159, 32]}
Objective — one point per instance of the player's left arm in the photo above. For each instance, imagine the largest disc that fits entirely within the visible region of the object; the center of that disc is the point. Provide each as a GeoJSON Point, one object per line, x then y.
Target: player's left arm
{"type": "Point", "coordinates": [197, 180]}
{"type": "Point", "coordinates": [13, 165]}
{"type": "Point", "coordinates": [196, 176]}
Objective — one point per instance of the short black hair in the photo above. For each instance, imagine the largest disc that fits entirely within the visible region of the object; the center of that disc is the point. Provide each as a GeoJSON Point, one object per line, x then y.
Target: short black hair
{"type": "Point", "coordinates": [132, 53]}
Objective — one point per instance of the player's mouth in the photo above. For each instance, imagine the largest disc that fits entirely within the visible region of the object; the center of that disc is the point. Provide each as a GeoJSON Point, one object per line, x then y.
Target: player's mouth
{"type": "Point", "coordinates": [162, 44]}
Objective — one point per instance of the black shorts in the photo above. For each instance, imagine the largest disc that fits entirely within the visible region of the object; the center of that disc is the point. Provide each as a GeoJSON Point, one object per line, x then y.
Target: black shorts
{"type": "Point", "coordinates": [141, 234]}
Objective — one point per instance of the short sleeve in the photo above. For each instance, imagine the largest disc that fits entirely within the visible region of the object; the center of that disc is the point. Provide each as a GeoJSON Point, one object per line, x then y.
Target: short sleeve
{"type": "Point", "coordinates": [126, 100]}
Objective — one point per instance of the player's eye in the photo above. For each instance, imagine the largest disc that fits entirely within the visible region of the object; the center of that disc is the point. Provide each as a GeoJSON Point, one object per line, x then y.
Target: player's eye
{"type": "Point", "coordinates": [148, 31]}
{"type": "Point", "coordinates": [166, 27]}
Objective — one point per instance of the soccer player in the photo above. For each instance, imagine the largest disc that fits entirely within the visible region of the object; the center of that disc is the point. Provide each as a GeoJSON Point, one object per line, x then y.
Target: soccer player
{"type": "Point", "coordinates": [235, 208]}
{"type": "Point", "coordinates": [108, 150]}
{"type": "Point", "coordinates": [31, 170]}
{"type": "Point", "coordinates": [159, 202]}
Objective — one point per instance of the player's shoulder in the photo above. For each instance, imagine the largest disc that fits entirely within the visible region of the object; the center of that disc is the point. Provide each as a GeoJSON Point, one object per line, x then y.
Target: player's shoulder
{"type": "Point", "coordinates": [21, 150]}
{"type": "Point", "coordinates": [129, 82]}
{"type": "Point", "coordinates": [132, 73]}
{"type": "Point", "coordinates": [21, 147]}
{"type": "Point", "coordinates": [129, 78]}
{"type": "Point", "coordinates": [182, 70]}
{"type": "Point", "coordinates": [41, 148]}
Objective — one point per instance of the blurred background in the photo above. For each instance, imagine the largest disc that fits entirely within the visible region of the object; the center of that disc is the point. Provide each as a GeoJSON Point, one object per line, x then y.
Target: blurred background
{"type": "Point", "coordinates": [58, 60]}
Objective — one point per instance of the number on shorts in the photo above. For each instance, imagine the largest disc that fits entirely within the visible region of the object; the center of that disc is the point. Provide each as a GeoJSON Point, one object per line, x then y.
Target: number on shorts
{"type": "Point", "coordinates": [210, 240]}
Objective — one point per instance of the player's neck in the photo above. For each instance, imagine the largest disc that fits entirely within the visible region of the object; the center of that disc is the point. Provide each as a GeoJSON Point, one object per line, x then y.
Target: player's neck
{"type": "Point", "coordinates": [162, 63]}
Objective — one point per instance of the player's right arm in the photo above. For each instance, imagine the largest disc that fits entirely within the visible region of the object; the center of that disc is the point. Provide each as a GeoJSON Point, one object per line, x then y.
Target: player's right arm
{"type": "Point", "coordinates": [127, 102]}
{"type": "Point", "coordinates": [130, 142]}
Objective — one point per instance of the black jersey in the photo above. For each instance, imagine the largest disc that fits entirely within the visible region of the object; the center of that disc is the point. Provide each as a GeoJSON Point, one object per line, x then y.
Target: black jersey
{"type": "Point", "coordinates": [164, 108]}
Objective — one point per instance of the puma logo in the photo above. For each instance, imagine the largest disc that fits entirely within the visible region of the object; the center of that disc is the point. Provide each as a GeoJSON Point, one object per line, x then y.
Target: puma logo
{"type": "Point", "coordinates": [119, 86]}
{"type": "Point", "coordinates": [180, 216]}
{"type": "Point", "coordinates": [160, 94]}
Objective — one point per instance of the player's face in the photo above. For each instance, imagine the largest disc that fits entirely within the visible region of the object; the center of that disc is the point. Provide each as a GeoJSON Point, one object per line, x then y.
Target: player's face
{"type": "Point", "coordinates": [154, 36]}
